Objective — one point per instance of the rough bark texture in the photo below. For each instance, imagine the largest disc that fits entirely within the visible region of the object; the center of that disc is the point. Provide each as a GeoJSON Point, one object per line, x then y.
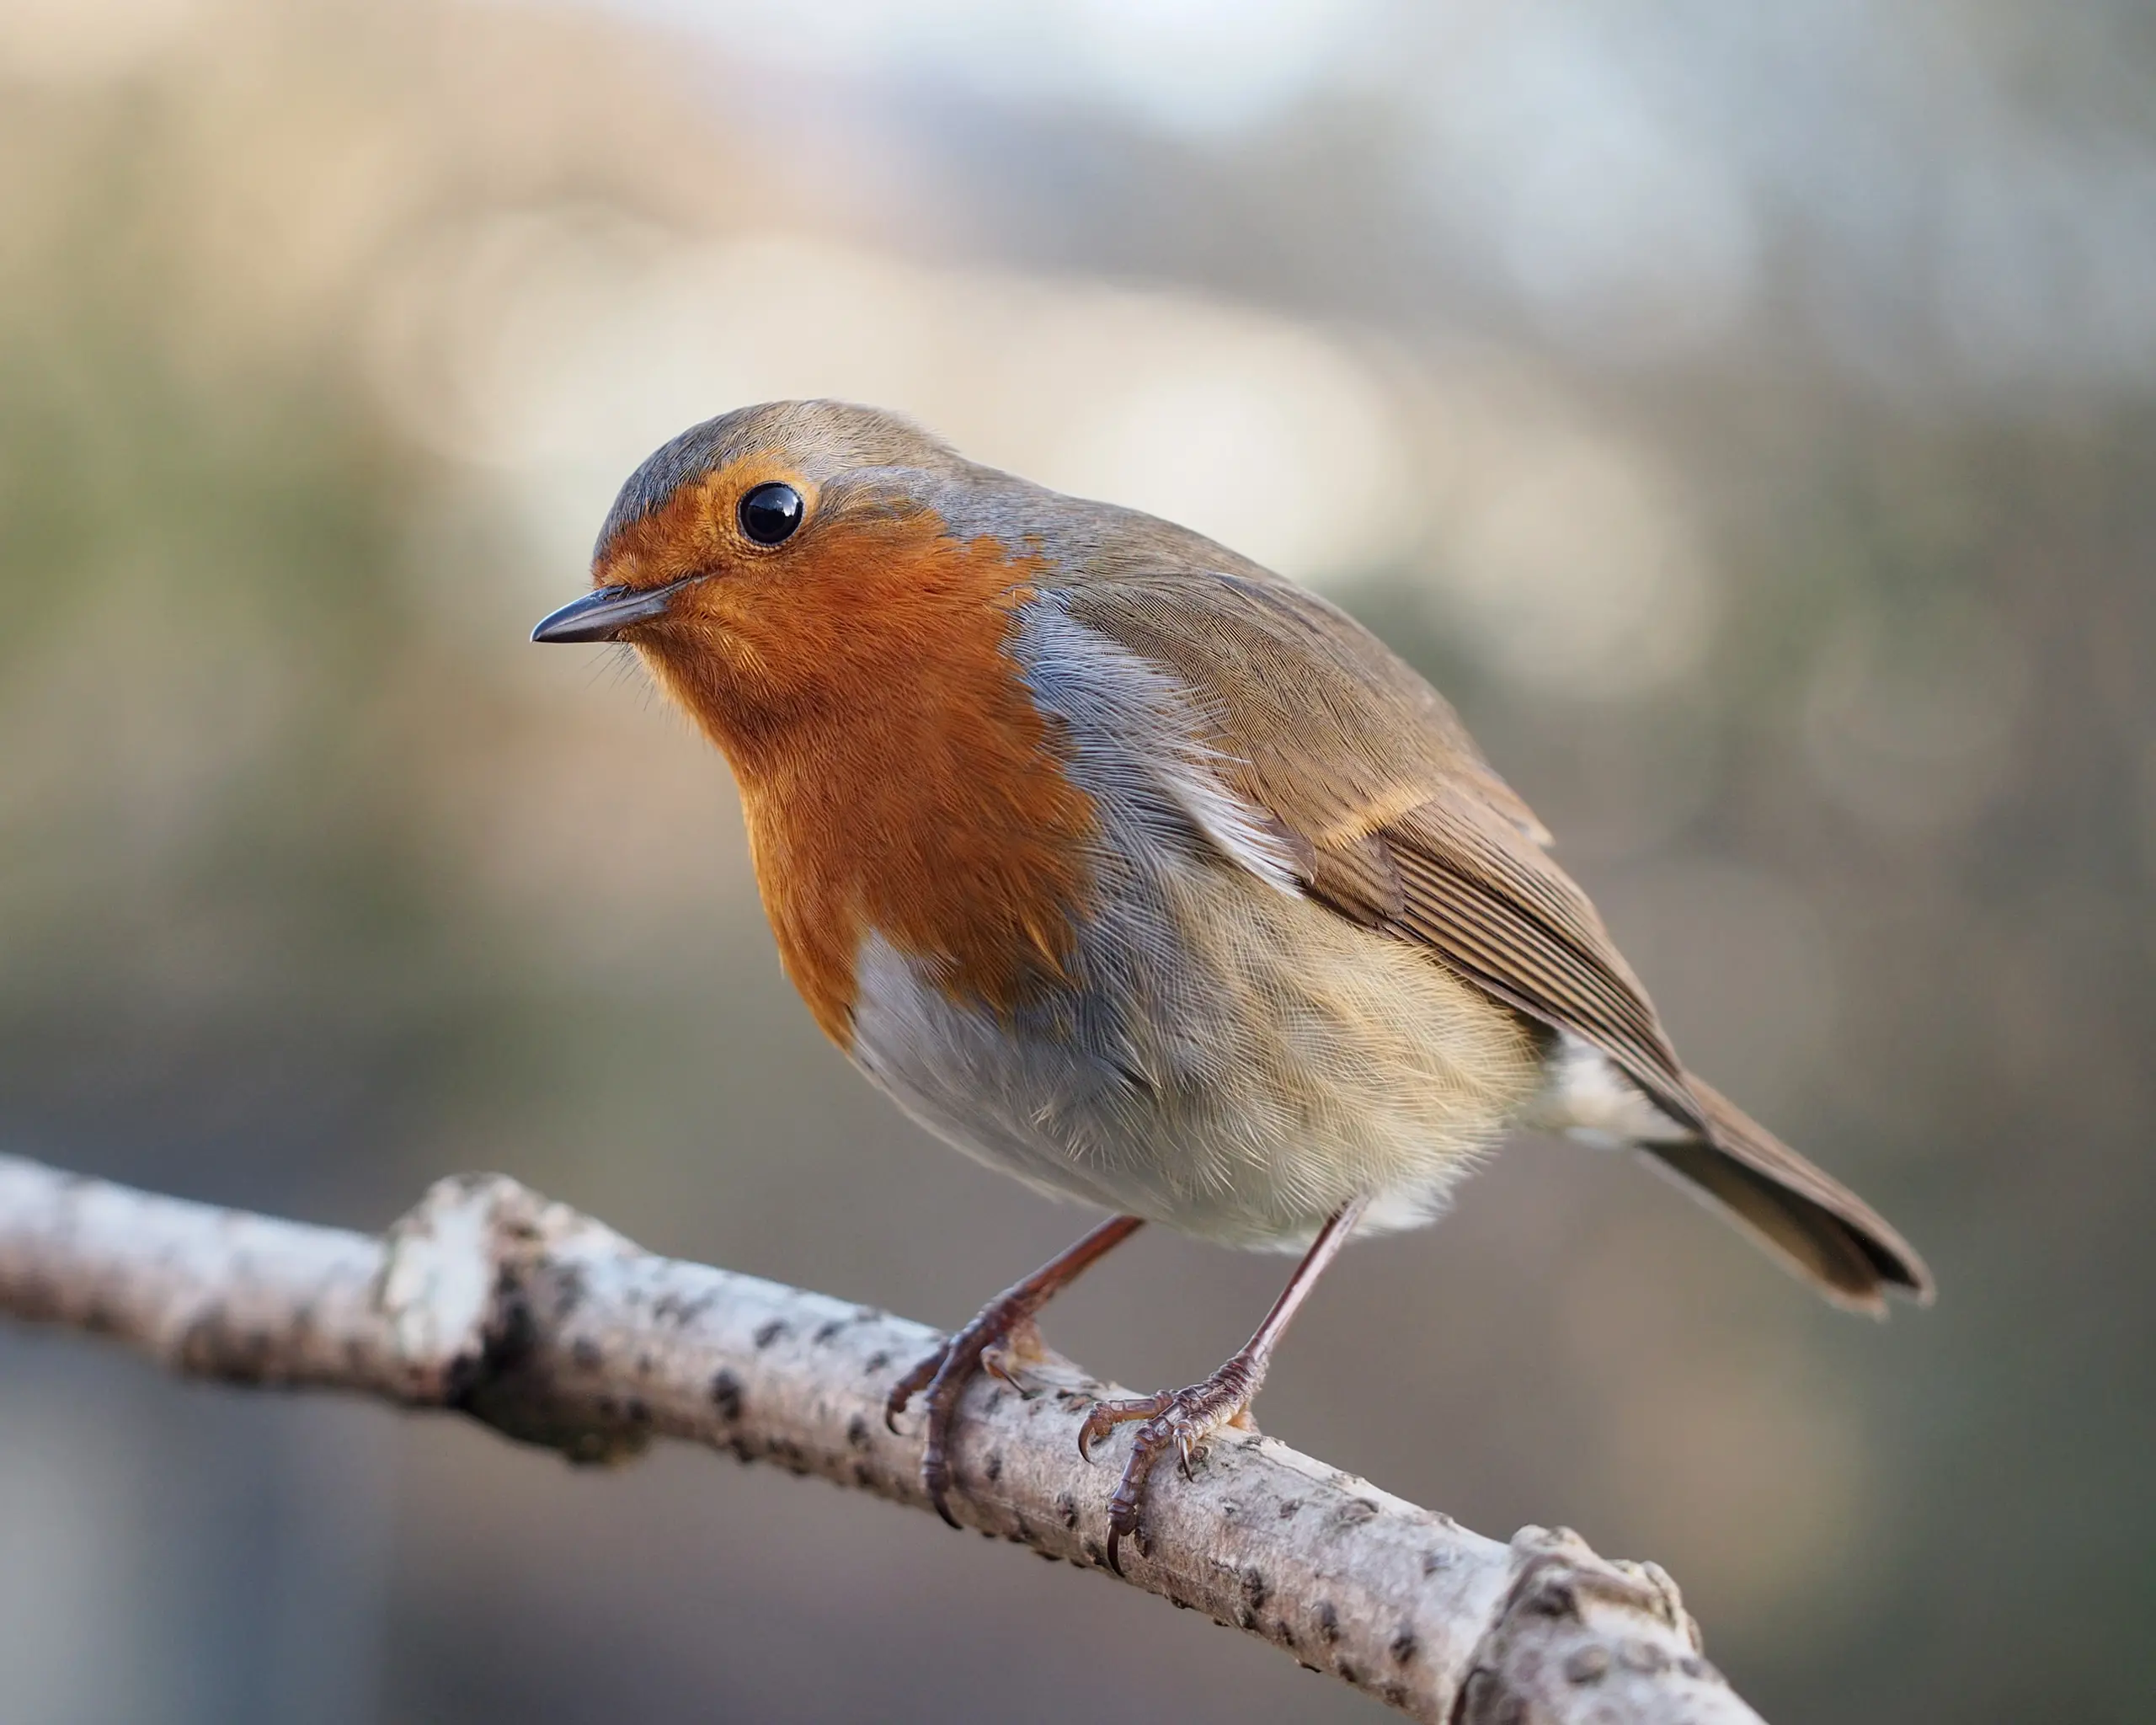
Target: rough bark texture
{"type": "Point", "coordinates": [554, 1329]}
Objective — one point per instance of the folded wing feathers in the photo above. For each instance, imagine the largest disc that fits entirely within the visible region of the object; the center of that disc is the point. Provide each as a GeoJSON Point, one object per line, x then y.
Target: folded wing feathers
{"type": "Point", "coordinates": [1537, 947]}
{"type": "Point", "coordinates": [1385, 810]}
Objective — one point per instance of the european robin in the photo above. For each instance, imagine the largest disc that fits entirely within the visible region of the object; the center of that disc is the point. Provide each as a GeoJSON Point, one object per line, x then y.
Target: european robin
{"type": "Point", "coordinates": [1140, 873]}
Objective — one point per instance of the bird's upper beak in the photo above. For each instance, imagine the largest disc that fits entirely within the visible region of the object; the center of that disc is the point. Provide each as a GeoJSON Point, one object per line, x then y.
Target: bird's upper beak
{"type": "Point", "coordinates": [603, 613]}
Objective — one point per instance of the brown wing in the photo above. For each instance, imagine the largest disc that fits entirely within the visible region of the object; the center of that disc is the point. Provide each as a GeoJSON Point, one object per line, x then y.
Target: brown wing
{"type": "Point", "coordinates": [1399, 822]}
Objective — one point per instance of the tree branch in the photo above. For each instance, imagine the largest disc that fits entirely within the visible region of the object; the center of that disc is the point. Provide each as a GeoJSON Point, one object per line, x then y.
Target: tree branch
{"type": "Point", "coordinates": [527, 1315]}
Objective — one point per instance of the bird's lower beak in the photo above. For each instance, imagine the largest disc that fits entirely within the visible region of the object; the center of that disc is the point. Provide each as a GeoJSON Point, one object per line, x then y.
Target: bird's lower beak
{"type": "Point", "coordinates": [603, 613]}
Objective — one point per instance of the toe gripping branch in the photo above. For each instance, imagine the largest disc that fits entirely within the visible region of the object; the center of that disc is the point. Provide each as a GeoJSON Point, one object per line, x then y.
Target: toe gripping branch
{"type": "Point", "coordinates": [1184, 1417]}
{"type": "Point", "coordinates": [1005, 1324]}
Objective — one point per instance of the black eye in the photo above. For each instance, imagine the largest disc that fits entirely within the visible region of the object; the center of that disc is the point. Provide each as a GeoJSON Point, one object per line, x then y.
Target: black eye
{"type": "Point", "coordinates": [770, 513]}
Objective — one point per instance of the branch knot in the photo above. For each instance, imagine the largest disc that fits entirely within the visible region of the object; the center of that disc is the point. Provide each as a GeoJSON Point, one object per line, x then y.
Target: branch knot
{"type": "Point", "coordinates": [1572, 1619]}
{"type": "Point", "coordinates": [460, 1271]}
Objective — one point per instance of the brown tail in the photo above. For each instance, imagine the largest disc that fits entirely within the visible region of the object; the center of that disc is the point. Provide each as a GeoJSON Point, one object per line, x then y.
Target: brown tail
{"type": "Point", "coordinates": [1822, 1230]}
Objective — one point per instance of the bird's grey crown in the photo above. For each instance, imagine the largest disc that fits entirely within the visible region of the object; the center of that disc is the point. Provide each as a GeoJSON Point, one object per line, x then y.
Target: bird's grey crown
{"type": "Point", "coordinates": [823, 436]}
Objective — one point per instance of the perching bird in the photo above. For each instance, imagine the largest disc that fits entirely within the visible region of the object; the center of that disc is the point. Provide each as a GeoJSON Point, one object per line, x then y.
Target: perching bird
{"type": "Point", "coordinates": [1139, 872]}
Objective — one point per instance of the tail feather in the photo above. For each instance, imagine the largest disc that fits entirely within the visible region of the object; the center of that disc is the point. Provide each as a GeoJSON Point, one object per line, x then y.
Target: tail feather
{"type": "Point", "coordinates": [1823, 1230]}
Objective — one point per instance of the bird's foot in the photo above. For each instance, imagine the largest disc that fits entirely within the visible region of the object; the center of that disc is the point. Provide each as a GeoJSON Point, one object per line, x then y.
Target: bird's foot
{"type": "Point", "coordinates": [999, 1339]}
{"type": "Point", "coordinates": [1183, 1419]}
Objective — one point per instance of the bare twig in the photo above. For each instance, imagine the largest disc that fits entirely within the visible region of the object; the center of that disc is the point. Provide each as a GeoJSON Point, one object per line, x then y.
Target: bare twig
{"type": "Point", "coordinates": [535, 1319]}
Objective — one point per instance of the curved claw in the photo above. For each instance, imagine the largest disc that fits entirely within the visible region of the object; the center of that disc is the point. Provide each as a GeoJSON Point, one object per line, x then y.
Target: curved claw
{"type": "Point", "coordinates": [1184, 1418]}
{"type": "Point", "coordinates": [941, 1379]}
{"type": "Point", "coordinates": [935, 1480]}
{"type": "Point", "coordinates": [1094, 1427]}
{"type": "Point", "coordinates": [910, 1385]}
{"type": "Point", "coordinates": [1104, 1417]}
{"type": "Point", "coordinates": [943, 1376]}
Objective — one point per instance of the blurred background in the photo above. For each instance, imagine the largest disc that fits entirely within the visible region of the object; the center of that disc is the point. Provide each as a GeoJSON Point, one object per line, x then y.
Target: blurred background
{"type": "Point", "coordinates": [1748, 416]}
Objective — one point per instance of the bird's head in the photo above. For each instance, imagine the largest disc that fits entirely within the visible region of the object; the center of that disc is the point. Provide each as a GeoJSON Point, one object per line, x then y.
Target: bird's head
{"type": "Point", "coordinates": [776, 562]}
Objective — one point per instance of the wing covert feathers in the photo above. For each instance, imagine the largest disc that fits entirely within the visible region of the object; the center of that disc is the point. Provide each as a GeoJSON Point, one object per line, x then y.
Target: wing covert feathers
{"type": "Point", "coordinates": [1400, 823]}
{"type": "Point", "coordinates": [1396, 821]}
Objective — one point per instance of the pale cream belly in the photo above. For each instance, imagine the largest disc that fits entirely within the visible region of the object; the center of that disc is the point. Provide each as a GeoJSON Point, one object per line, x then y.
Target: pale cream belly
{"type": "Point", "coordinates": [1236, 1064]}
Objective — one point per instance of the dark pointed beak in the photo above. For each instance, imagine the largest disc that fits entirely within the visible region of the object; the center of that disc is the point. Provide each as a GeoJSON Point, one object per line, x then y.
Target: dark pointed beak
{"type": "Point", "coordinates": [603, 613]}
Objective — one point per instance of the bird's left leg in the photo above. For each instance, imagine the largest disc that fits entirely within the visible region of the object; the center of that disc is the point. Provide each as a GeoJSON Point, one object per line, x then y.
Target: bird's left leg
{"type": "Point", "coordinates": [1008, 1318]}
{"type": "Point", "coordinates": [1185, 1418]}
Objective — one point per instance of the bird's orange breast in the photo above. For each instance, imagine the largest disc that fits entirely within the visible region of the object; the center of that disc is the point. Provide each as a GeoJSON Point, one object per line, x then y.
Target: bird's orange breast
{"type": "Point", "coordinates": [905, 785]}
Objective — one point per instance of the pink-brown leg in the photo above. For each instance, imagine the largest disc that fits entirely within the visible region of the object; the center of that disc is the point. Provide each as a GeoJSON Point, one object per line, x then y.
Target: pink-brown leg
{"type": "Point", "coordinates": [945, 1374]}
{"type": "Point", "coordinates": [1185, 1418]}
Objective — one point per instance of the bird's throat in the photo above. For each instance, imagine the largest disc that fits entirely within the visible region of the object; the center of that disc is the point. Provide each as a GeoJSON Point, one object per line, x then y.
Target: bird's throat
{"type": "Point", "coordinates": [917, 793]}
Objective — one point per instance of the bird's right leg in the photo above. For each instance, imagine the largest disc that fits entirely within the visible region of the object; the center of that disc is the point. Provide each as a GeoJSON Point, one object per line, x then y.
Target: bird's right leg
{"type": "Point", "coordinates": [945, 1374]}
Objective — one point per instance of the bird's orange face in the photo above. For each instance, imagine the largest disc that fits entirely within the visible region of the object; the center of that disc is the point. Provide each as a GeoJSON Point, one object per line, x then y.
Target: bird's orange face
{"type": "Point", "coordinates": [720, 586]}
{"type": "Point", "coordinates": [786, 584]}
{"type": "Point", "coordinates": [804, 599]}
